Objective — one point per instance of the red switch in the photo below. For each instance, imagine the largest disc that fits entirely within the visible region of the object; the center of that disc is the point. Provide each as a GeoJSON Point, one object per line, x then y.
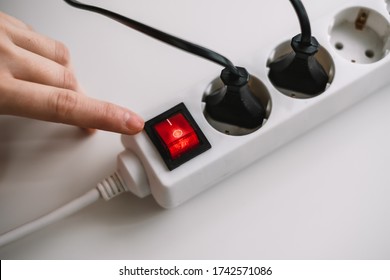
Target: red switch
{"type": "Point", "coordinates": [177, 134]}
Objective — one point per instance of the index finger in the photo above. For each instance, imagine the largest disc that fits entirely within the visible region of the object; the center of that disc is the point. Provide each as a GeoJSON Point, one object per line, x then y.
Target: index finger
{"type": "Point", "coordinates": [48, 103]}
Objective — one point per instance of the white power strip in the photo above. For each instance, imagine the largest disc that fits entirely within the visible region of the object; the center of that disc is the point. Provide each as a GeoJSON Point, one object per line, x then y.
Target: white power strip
{"type": "Point", "coordinates": [361, 67]}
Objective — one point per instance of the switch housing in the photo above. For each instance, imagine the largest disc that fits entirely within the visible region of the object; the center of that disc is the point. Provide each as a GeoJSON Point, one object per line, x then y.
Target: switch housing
{"type": "Point", "coordinates": [176, 136]}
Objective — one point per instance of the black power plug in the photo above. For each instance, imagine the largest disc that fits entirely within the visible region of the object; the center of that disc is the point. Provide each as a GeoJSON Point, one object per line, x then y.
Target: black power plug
{"type": "Point", "coordinates": [235, 103]}
{"type": "Point", "coordinates": [299, 70]}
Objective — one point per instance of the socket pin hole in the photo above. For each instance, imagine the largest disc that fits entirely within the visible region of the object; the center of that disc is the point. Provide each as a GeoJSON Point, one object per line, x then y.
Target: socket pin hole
{"type": "Point", "coordinates": [323, 58]}
{"type": "Point", "coordinates": [360, 35]}
{"type": "Point", "coordinates": [260, 92]}
{"type": "Point", "coordinates": [370, 53]}
{"type": "Point", "coordinates": [339, 46]}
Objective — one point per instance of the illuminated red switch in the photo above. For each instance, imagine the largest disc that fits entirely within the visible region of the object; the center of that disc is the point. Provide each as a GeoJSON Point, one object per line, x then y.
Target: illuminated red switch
{"type": "Point", "coordinates": [176, 136]}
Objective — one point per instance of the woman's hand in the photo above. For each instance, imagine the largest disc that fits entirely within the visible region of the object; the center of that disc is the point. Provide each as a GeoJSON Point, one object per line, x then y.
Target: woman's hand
{"type": "Point", "coordinates": [37, 81]}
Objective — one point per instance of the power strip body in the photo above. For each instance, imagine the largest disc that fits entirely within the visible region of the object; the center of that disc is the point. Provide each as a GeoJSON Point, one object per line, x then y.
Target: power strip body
{"type": "Point", "coordinates": [289, 118]}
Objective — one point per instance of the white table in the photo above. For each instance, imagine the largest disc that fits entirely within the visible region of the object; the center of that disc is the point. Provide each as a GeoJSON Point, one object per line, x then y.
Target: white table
{"type": "Point", "coordinates": [325, 195]}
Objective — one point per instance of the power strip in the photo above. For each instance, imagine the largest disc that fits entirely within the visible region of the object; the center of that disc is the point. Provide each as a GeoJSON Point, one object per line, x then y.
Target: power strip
{"type": "Point", "coordinates": [355, 43]}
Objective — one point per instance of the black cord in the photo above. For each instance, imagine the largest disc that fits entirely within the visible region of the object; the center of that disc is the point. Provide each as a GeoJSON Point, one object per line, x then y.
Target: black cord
{"type": "Point", "coordinates": [303, 21]}
{"type": "Point", "coordinates": [162, 36]}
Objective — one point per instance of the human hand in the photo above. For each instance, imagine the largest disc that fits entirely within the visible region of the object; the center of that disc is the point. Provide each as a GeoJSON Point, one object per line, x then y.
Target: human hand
{"type": "Point", "coordinates": [37, 81]}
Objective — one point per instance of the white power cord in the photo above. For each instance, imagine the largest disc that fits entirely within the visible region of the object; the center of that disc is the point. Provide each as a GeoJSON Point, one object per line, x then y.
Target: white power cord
{"type": "Point", "coordinates": [107, 189]}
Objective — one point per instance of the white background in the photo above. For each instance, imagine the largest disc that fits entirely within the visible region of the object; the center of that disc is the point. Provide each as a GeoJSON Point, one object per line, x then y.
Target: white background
{"type": "Point", "coordinates": [323, 196]}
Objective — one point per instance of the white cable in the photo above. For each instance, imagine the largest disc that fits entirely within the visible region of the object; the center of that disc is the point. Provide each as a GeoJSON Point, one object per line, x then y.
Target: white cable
{"type": "Point", "coordinates": [107, 188]}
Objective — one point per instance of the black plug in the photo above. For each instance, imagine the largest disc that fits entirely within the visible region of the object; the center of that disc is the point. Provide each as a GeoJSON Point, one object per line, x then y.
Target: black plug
{"type": "Point", "coordinates": [299, 70]}
{"type": "Point", "coordinates": [235, 103]}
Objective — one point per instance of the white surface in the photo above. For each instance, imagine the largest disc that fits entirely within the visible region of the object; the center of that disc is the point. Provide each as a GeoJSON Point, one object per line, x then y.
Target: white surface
{"type": "Point", "coordinates": [325, 195]}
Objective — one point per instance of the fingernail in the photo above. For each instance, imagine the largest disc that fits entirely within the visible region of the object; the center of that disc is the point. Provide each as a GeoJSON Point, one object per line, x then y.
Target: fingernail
{"type": "Point", "coordinates": [134, 122]}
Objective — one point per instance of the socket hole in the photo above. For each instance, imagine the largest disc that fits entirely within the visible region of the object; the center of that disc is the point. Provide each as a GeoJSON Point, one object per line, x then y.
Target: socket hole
{"type": "Point", "coordinates": [370, 53]}
{"type": "Point", "coordinates": [261, 94]}
{"type": "Point", "coordinates": [339, 46]}
{"type": "Point", "coordinates": [364, 33]}
{"type": "Point", "coordinates": [322, 56]}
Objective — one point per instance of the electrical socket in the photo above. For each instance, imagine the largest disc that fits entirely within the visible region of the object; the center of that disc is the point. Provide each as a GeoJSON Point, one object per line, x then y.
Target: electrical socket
{"type": "Point", "coordinates": [260, 92]}
{"type": "Point", "coordinates": [288, 115]}
{"type": "Point", "coordinates": [360, 35]}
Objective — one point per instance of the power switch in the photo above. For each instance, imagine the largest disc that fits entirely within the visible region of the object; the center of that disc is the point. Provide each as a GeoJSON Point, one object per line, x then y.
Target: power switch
{"type": "Point", "coordinates": [176, 136]}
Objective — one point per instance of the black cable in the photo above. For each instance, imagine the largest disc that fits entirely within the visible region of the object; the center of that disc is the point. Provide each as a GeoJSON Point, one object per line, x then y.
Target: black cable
{"type": "Point", "coordinates": [162, 36]}
{"type": "Point", "coordinates": [303, 21]}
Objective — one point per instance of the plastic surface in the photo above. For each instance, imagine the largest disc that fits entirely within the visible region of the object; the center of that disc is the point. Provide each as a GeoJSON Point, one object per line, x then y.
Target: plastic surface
{"type": "Point", "coordinates": [133, 174]}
